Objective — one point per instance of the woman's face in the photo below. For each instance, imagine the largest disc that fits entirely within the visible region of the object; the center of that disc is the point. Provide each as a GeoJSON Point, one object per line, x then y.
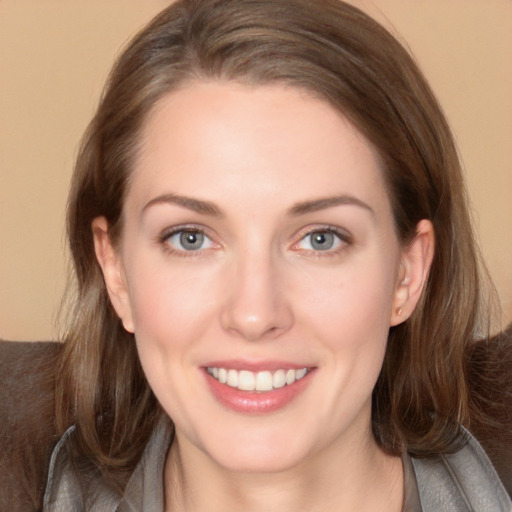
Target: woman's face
{"type": "Point", "coordinates": [258, 246]}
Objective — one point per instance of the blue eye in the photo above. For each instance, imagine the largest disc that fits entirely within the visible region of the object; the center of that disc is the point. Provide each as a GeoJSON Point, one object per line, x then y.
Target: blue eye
{"type": "Point", "coordinates": [188, 240]}
{"type": "Point", "coordinates": [321, 240]}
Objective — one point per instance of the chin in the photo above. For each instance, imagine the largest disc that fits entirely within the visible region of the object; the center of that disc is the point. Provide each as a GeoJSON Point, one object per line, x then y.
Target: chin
{"type": "Point", "coordinates": [259, 451]}
{"type": "Point", "coordinates": [246, 461]}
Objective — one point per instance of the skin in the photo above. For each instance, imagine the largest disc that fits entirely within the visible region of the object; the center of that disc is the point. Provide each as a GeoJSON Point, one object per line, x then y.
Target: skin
{"type": "Point", "coordinates": [257, 290]}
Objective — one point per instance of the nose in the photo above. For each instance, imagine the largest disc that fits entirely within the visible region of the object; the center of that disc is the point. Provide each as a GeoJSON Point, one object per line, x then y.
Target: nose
{"type": "Point", "coordinates": [256, 307]}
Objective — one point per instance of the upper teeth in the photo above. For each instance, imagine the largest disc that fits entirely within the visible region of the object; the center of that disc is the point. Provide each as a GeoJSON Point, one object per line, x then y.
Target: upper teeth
{"type": "Point", "coordinates": [256, 381]}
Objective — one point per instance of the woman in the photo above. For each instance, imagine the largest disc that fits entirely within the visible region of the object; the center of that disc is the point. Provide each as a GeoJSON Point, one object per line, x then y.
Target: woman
{"type": "Point", "coordinates": [241, 342]}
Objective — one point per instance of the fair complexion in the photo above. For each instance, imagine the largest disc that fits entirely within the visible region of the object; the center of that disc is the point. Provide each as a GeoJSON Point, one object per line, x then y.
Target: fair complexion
{"type": "Point", "coordinates": [258, 236]}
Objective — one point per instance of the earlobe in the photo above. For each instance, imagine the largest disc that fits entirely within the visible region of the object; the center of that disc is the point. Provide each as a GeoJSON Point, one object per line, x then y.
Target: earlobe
{"type": "Point", "coordinates": [113, 272]}
{"type": "Point", "coordinates": [415, 265]}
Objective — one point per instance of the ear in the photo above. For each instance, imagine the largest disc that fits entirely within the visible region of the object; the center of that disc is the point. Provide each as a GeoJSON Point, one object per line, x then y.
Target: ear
{"type": "Point", "coordinates": [113, 272]}
{"type": "Point", "coordinates": [414, 269]}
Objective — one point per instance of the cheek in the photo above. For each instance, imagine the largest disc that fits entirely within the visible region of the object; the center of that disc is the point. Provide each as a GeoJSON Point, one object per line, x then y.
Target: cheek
{"type": "Point", "coordinates": [351, 303]}
{"type": "Point", "coordinates": [172, 309]}
{"type": "Point", "coordinates": [352, 323]}
{"type": "Point", "coordinates": [348, 313]}
{"type": "Point", "coordinates": [170, 303]}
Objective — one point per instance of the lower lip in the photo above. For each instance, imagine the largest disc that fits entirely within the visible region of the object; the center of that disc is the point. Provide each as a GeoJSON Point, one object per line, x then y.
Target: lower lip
{"type": "Point", "coordinates": [256, 402]}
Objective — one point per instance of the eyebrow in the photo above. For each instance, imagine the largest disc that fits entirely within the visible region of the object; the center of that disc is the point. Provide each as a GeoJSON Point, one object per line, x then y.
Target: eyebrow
{"type": "Point", "coordinates": [315, 205]}
{"type": "Point", "coordinates": [302, 208]}
{"type": "Point", "coordinates": [196, 205]}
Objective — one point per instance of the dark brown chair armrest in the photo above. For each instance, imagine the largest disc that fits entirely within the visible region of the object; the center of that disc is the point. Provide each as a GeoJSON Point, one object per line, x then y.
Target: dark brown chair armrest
{"type": "Point", "coordinates": [27, 426]}
{"type": "Point", "coordinates": [490, 385]}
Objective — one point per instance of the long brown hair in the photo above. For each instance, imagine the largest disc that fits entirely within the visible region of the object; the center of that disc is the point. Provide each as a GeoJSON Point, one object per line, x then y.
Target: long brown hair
{"type": "Point", "coordinates": [339, 54]}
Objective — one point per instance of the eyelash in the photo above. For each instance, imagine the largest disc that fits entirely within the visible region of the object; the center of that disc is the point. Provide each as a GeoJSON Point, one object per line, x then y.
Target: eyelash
{"type": "Point", "coordinates": [345, 240]}
{"type": "Point", "coordinates": [164, 238]}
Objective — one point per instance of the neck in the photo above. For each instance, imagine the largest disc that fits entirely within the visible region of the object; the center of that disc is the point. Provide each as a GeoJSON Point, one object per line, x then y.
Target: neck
{"type": "Point", "coordinates": [361, 478]}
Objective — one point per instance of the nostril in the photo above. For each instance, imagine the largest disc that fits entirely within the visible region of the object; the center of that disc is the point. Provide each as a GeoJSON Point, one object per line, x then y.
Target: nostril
{"type": "Point", "coordinates": [254, 327]}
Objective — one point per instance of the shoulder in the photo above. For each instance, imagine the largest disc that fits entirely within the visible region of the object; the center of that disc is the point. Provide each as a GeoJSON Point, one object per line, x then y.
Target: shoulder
{"type": "Point", "coordinates": [27, 428]}
{"type": "Point", "coordinates": [461, 481]}
{"type": "Point", "coordinates": [75, 484]}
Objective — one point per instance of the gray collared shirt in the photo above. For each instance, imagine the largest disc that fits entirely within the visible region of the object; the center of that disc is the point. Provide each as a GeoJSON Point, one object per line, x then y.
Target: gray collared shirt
{"type": "Point", "coordinates": [461, 482]}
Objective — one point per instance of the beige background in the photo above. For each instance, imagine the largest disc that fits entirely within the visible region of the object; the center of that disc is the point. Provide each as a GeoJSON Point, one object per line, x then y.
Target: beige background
{"type": "Point", "coordinates": [54, 57]}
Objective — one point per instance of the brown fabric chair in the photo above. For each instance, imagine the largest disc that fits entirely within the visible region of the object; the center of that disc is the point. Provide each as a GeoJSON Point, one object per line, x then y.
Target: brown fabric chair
{"type": "Point", "coordinates": [490, 384]}
{"type": "Point", "coordinates": [28, 433]}
{"type": "Point", "coordinates": [27, 429]}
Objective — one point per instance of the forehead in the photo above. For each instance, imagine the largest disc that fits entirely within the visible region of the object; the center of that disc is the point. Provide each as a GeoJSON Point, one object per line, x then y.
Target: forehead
{"type": "Point", "coordinates": [210, 138]}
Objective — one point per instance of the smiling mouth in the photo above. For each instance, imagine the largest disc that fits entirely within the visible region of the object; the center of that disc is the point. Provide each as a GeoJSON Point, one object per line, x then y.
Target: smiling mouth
{"type": "Point", "coordinates": [262, 381]}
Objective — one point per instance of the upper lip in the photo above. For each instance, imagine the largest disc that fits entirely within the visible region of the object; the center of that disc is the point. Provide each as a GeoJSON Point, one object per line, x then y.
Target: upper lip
{"type": "Point", "coordinates": [255, 366]}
